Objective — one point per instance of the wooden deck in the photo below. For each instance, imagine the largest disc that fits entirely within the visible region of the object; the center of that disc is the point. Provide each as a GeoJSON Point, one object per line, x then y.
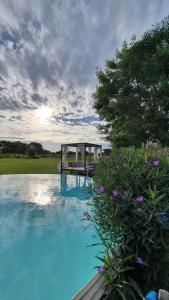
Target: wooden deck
{"type": "Point", "coordinates": [94, 290]}
{"type": "Point", "coordinates": [88, 170]}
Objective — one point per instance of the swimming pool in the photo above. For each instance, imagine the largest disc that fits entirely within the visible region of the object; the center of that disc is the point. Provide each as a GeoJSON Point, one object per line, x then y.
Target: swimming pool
{"type": "Point", "coordinates": [43, 245]}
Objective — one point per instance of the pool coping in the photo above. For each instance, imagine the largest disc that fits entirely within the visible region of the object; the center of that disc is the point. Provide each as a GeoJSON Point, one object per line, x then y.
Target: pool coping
{"type": "Point", "coordinates": [93, 290]}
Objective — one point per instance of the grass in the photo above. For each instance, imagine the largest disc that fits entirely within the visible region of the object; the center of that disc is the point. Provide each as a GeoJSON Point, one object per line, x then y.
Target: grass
{"type": "Point", "coordinates": [29, 166]}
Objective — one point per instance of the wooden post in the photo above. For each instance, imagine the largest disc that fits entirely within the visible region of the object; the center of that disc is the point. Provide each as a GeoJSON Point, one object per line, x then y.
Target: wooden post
{"type": "Point", "coordinates": [61, 160]}
{"type": "Point", "coordinates": [85, 158]}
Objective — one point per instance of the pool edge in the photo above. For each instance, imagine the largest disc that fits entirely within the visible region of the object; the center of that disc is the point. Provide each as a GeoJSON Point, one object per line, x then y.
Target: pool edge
{"type": "Point", "coordinates": [93, 290]}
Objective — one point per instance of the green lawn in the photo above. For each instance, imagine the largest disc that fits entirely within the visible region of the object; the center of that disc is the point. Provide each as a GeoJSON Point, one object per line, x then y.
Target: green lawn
{"type": "Point", "coordinates": [29, 166]}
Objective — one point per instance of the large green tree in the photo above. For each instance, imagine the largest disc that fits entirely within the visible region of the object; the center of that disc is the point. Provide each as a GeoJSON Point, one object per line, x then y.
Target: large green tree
{"type": "Point", "coordinates": [132, 96]}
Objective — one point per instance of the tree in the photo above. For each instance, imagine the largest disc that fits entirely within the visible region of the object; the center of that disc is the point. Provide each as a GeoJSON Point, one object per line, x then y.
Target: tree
{"type": "Point", "coordinates": [132, 96]}
{"type": "Point", "coordinates": [32, 150]}
{"type": "Point", "coordinates": [38, 146]}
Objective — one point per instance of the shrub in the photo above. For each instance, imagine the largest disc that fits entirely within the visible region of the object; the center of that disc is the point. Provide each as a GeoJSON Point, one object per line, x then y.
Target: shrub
{"type": "Point", "coordinates": [131, 214]}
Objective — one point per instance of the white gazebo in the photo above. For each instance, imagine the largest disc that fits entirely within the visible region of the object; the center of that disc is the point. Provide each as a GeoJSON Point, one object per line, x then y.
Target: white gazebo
{"type": "Point", "coordinates": [82, 165]}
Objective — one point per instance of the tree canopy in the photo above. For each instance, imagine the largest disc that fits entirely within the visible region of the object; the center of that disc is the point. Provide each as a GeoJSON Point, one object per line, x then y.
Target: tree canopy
{"type": "Point", "coordinates": [132, 96]}
{"type": "Point", "coordinates": [20, 148]}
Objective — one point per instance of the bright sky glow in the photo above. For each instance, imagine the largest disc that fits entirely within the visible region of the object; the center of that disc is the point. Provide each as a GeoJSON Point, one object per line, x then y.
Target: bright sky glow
{"type": "Point", "coordinates": [43, 114]}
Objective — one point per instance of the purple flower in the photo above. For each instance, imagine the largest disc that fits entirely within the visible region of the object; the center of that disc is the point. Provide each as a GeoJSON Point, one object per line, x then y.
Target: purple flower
{"type": "Point", "coordinates": [150, 143]}
{"type": "Point", "coordinates": [139, 261]}
{"type": "Point", "coordinates": [114, 194]}
{"type": "Point", "coordinates": [101, 189]}
{"type": "Point", "coordinates": [155, 163]}
{"type": "Point", "coordinates": [101, 269]}
{"type": "Point", "coordinates": [140, 198]}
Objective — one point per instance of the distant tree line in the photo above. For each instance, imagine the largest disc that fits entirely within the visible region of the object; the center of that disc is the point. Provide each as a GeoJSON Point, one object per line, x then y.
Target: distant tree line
{"type": "Point", "coordinates": [32, 149]}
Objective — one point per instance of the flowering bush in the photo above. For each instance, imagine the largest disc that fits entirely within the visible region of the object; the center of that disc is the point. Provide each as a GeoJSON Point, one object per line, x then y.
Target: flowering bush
{"type": "Point", "coordinates": [131, 215]}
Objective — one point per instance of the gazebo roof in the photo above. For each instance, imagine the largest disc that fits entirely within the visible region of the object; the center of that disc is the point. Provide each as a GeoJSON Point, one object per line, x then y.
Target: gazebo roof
{"type": "Point", "coordinates": [85, 144]}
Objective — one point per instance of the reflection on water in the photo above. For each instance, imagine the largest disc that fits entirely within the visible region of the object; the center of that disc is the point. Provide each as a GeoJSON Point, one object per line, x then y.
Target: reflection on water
{"type": "Point", "coordinates": [44, 190]}
{"type": "Point", "coordinates": [77, 188]}
{"type": "Point", "coordinates": [41, 237]}
{"type": "Point", "coordinates": [42, 200]}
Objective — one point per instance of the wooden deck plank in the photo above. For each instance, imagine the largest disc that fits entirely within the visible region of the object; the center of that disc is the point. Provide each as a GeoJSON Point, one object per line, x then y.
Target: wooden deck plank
{"type": "Point", "coordinates": [94, 290]}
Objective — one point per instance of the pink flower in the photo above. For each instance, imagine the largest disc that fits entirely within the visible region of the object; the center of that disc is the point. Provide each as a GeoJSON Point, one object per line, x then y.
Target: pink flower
{"type": "Point", "coordinates": [140, 198]}
{"type": "Point", "coordinates": [101, 189]}
{"type": "Point", "coordinates": [101, 269]}
{"type": "Point", "coordinates": [114, 194]}
{"type": "Point", "coordinates": [155, 163]}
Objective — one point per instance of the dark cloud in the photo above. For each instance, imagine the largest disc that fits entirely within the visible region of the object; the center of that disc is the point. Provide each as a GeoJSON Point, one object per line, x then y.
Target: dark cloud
{"type": "Point", "coordinates": [80, 121]}
{"type": "Point", "coordinates": [74, 103]}
{"type": "Point", "coordinates": [10, 104]}
{"type": "Point", "coordinates": [6, 103]}
{"type": "Point", "coordinates": [76, 121]}
{"type": "Point", "coordinates": [1, 78]}
{"type": "Point", "coordinates": [7, 36]}
{"type": "Point", "coordinates": [2, 119]}
{"type": "Point", "coordinates": [15, 118]}
{"type": "Point", "coordinates": [3, 69]}
{"type": "Point", "coordinates": [67, 114]}
{"type": "Point", "coordinates": [39, 99]}
{"type": "Point", "coordinates": [39, 69]}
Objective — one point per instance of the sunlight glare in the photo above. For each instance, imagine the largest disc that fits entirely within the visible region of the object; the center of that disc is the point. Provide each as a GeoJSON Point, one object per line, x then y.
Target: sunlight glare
{"type": "Point", "coordinates": [43, 114]}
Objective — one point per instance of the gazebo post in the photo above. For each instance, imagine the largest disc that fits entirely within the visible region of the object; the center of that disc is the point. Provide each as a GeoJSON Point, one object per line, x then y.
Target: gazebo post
{"type": "Point", "coordinates": [77, 155]}
{"type": "Point", "coordinates": [61, 158]}
{"type": "Point", "coordinates": [100, 151]}
{"type": "Point", "coordinates": [85, 158]}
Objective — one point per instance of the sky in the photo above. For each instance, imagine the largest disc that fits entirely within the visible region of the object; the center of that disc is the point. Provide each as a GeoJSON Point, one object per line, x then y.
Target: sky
{"type": "Point", "coordinates": [49, 52]}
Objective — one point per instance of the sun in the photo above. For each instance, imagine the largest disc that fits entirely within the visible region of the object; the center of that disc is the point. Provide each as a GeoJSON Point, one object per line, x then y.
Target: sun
{"type": "Point", "coordinates": [43, 114]}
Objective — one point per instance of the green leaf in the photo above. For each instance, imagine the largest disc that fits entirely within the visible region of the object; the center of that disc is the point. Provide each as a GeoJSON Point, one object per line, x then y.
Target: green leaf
{"type": "Point", "coordinates": [130, 292]}
{"type": "Point", "coordinates": [121, 294]}
{"type": "Point", "coordinates": [135, 287]}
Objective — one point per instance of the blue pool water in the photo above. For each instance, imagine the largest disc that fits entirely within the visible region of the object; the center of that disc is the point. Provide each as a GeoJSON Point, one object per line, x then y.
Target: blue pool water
{"type": "Point", "coordinates": [43, 245]}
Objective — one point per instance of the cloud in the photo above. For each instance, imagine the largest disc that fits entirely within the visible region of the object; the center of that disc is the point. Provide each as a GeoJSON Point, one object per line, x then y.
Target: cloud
{"type": "Point", "coordinates": [11, 138]}
{"type": "Point", "coordinates": [39, 99]}
{"type": "Point", "coordinates": [15, 118]}
{"type": "Point", "coordinates": [49, 51]}
{"type": "Point", "coordinates": [67, 119]}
